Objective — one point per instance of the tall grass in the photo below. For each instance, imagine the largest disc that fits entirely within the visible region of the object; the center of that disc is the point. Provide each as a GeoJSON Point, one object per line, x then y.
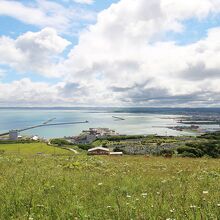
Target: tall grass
{"type": "Point", "coordinates": [129, 187]}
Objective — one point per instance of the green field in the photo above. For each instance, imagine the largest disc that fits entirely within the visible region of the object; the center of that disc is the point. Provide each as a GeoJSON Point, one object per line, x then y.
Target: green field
{"type": "Point", "coordinates": [31, 149]}
{"type": "Point", "coordinates": [128, 187]}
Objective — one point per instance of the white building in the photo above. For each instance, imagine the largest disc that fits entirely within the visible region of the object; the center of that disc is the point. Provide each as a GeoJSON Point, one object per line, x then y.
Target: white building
{"type": "Point", "coordinates": [98, 151]}
{"type": "Point", "coordinates": [35, 138]}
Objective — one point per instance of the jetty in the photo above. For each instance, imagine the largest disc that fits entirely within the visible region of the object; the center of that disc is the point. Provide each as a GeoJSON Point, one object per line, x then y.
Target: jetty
{"type": "Point", "coordinates": [45, 124]}
{"type": "Point", "coordinates": [118, 118]}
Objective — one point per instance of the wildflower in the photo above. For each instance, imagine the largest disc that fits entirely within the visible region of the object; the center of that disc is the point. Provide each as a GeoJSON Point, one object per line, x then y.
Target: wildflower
{"type": "Point", "coordinates": [170, 219]}
{"type": "Point", "coordinates": [205, 192]}
{"type": "Point", "coordinates": [218, 204]}
{"type": "Point", "coordinates": [99, 184]}
{"type": "Point", "coordinates": [108, 206]}
{"type": "Point", "coordinates": [158, 193]}
{"type": "Point", "coordinates": [152, 206]}
{"type": "Point", "coordinates": [137, 199]}
{"type": "Point", "coordinates": [163, 181]}
{"type": "Point", "coordinates": [128, 196]}
{"type": "Point", "coordinates": [30, 218]}
{"type": "Point", "coordinates": [144, 195]}
{"type": "Point", "coordinates": [172, 210]}
{"type": "Point", "coordinates": [192, 206]}
{"type": "Point", "coordinates": [52, 186]}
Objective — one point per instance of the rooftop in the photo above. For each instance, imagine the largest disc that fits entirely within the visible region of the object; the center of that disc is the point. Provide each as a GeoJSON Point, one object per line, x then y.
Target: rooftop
{"type": "Point", "coordinates": [98, 148]}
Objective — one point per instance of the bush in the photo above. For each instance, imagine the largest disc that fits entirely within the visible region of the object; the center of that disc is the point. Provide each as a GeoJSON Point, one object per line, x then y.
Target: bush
{"type": "Point", "coordinates": [165, 152]}
{"type": "Point", "coordinates": [188, 154]}
{"type": "Point", "coordinates": [191, 150]}
{"type": "Point", "coordinates": [124, 137]}
{"type": "Point", "coordinates": [28, 141]}
{"type": "Point", "coordinates": [84, 146]}
{"type": "Point", "coordinates": [60, 142]}
{"type": "Point", "coordinates": [211, 148]}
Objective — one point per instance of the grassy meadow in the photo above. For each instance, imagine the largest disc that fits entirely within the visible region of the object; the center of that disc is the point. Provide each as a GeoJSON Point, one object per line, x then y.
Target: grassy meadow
{"type": "Point", "coordinates": [31, 149]}
{"type": "Point", "coordinates": [81, 187]}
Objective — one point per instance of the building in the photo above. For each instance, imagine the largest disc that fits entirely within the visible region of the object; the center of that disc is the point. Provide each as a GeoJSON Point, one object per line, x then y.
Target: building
{"type": "Point", "coordinates": [98, 151]}
{"type": "Point", "coordinates": [101, 132]}
{"type": "Point", "coordinates": [116, 153]}
{"type": "Point", "coordinates": [88, 136]}
{"type": "Point", "coordinates": [83, 139]}
{"type": "Point", "coordinates": [13, 135]}
{"type": "Point", "coordinates": [35, 138]}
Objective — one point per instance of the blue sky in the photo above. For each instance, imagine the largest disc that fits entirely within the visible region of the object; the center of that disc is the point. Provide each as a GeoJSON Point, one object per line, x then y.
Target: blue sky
{"type": "Point", "coordinates": [56, 44]}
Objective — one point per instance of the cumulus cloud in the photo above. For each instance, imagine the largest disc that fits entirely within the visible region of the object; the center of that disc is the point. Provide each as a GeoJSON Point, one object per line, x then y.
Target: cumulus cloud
{"type": "Point", "coordinates": [123, 59]}
{"type": "Point", "coordinates": [124, 51]}
{"type": "Point", "coordinates": [33, 51]}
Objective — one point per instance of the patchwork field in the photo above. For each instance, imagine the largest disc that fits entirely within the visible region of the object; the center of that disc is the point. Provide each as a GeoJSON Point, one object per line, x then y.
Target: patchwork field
{"type": "Point", "coordinates": [129, 187]}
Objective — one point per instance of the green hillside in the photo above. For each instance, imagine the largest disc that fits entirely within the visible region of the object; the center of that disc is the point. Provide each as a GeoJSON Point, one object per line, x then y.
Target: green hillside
{"type": "Point", "coordinates": [128, 187]}
{"type": "Point", "coordinates": [31, 149]}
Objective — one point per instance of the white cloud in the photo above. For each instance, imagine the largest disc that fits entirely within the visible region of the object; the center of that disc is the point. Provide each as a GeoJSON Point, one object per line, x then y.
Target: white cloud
{"type": "Point", "coordinates": [123, 52]}
{"type": "Point", "coordinates": [25, 92]}
{"type": "Point", "coordinates": [84, 1]}
{"type": "Point", "coordinates": [43, 14]}
{"type": "Point", "coordinates": [33, 51]}
{"type": "Point", "coordinates": [123, 59]}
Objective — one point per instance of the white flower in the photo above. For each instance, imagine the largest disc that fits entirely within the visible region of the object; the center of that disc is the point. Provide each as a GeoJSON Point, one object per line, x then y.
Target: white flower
{"type": "Point", "coordinates": [128, 196]}
{"type": "Point", "coordinates": [205, 192]}
{"type": "Point", "coordinates": [99, 184]}
{"type": "Point", "coordinates": [192, 206]}
{"type": "Point", "coordinates": [218, 205]}
{"type": "Point", "coordinates": [144, 194]}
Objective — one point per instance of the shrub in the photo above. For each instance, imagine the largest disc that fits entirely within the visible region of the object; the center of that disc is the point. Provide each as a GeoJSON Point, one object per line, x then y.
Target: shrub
{"type": "Point", "coordinates": [166, 152]}
{"type": "Point", "coordinates": [23, 141]}
{"type": "Point", "coordinates": [84, 146]}
{"type": "Point", "coordinates": [188, 154]}
{"type": "Point", "coordinates": [60, 142]}
{"type": "Point", "coordinates": [191, 150]}
{"type": "Point", "coordinates": [124, 137]}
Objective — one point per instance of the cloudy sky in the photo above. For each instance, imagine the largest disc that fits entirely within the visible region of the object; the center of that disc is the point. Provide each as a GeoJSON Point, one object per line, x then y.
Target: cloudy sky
{"type": "Point", "coordinates": [110, 53]}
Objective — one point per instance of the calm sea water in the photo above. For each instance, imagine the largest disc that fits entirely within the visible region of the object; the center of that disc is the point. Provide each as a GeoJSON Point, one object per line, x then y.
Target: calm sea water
{"type": "Point", "coordinates": [136, 122]}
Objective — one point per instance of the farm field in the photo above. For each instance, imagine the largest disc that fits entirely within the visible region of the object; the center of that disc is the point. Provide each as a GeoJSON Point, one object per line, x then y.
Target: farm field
{"type": "Point", "coordinates": [128, 187]}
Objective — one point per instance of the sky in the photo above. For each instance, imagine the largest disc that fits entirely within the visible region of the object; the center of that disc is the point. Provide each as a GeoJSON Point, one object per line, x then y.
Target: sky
{"type": "Point", "coordinates": [154, 53]}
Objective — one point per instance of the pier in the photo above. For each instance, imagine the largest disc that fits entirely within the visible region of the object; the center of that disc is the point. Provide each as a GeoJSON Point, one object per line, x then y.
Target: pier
{"type": "Point", "coordinates": [46, 124]}
{"type": "Point", "coordinates": [118, 118]}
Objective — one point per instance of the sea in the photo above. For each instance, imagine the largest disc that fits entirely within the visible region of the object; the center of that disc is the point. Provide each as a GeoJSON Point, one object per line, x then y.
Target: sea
{"type": "Point", "coordinates": [143, 121]}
